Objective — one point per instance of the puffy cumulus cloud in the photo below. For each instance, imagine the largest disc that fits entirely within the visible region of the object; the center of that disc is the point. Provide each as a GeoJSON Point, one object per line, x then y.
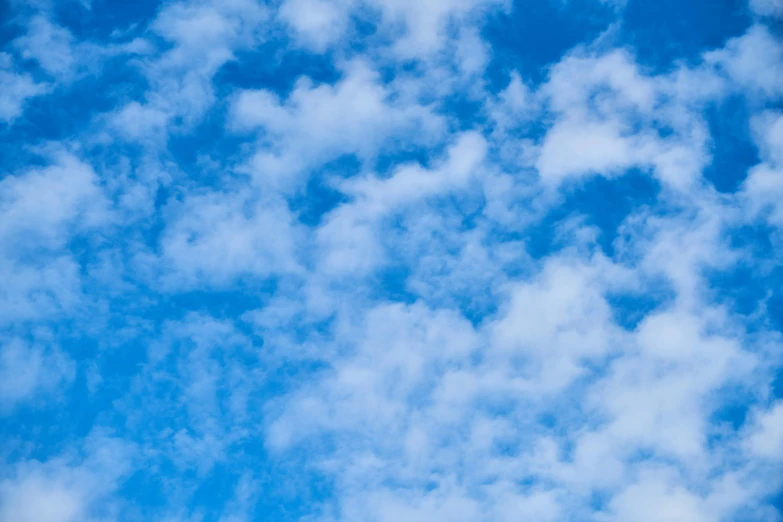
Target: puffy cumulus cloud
{"type": "Point", "coordinates": [197, 39]}
{"type": "Point", "coordinates": [767, 433]}
{"type": "Point", "coordinates": [397, 351]}
{"type": "Point", "coordinates": [75, 486]}
{"type": "Point", "coordinates": [316, 124]}
{"type": "Point", "coordinates": [218, 237]}
{"type": "Point", "coordinates": [668, 411]}
{"type": "Point", "coordinates": [611, 118]}
{"type": "Point", "coordinates": [39, 290]}
{"type": "Point", "coordinates": [44, 209]}
{"type": "Point", "coordinates": [657, 495]}
{"type": "Point", "coordinates": [753, 61]}
{"type": "Point", "coordinates": [316, 23]}
{"type": "Point", "coordinates": [348, 237]}
{"type": "Point", "coordinates": [564, 311]}
{"type": "Point", "coordinates": [764, 183]}
{"type": "Point", "coordinates": [17, 88]}
{"type": "Point", "coordinates": [556, 329]}
{"type": "Point", "coordinates": [426, 26]}
{"type": "Point", "coordinates": [410, 30]}
{"type": "Point", "coordinates": [381, 260]}
{"type": "Point", "coordinates": [31, 371]}
{"type": "Point", "coordinates": [51, 46]}
{"type": "Point", "coordinates": [425, 411]}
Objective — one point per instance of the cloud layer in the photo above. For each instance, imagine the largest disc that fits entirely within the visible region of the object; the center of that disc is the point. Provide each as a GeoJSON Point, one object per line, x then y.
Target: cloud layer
{"type": "Point", "coordinates": [380, 260]}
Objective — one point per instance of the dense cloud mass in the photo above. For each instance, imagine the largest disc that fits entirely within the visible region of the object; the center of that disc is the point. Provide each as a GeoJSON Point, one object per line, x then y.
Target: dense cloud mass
{"type": "Point", "coordinates": [391, 260]}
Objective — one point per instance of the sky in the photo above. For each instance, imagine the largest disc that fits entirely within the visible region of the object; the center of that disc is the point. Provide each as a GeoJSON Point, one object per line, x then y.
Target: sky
{"type": "Point", "coordinates": [391, 260]}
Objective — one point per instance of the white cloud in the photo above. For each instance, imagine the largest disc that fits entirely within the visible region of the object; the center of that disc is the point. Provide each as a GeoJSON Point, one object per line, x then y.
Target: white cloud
{"type": "Point", "coordinates": [62, 56]}
{"type": "Point", "coordinates": [397, 351]}
{"type": "Point", "coordinates": [659, 397]}
{"type": "Point", "coordinates": [40, 290]}
{"type": "Point", "coordinates": [317, 23]}
{"type": "Point", "coordinates": [196, 393]}
{"type": "Point", "coordinates": [43, 206]}
{"type": "Point", "coordinates": [753, 61]}
{"type": "Point", "coordinates": [30, 371]}
{"type": "Point", "coordinates": [15, 89]}
{"type": "Point", "coordinates": [657, 498]}
{"type": "Point", "coordinates": [245, 496]}
{"type": "Point", "coordinates": [65, 489]}
{"type": "Point", "coordinates": [43, 209]}
{"type": "Point", "coordinates": [318, 123]}
{"type": "Point", "coordinates": [139, 122]}
{"type": "Point", "coordinates": [611, 118]}
{"type": "Point", "coordinates": [201, 37]}
{"type": "Point", "coordinates": [51, 46]}
{"type": "Point", "coordinates": [425, 23]}
{"type": "Point", "coordinates": [593, 148]}
{"type": "Point", "coordinates": [767, 7]}
{"type": "Point", "coordinates": [424, 415]}
{"type": "Point", "coordinates": [214, 238]}
{"type": "Point", "coordinates": [766, 437]}
{"type": "Point", "coordinates": [348, 237]}
{"type": "Point", "coordinates": [557, 322]}
{"type": "Point", "coordinates": [39, 500]}
{"type": "Point", "coordinates": [415, 30]}
{"type": "Point", "coordinates": [488, 380]}
{"type": "Point", "coordinates": [763, 188]}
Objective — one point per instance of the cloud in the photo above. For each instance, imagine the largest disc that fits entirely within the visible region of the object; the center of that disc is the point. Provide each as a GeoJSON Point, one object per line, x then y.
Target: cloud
{"type": "Point", "coordinates": [767, 7]}
{"type": "Point", "coordinates": [217, 237]}
{"type": "Point", "coordinates": [62, 56]}
{"type": "Point", "coordinates": [199, 39]}
{"type": "Point", "coordinates": [348, 235]}
{"type": "Point", "coordinates": [610, 118]}
{"type": "Point", "coordinates": [51, 46]}
{"type": "Point", "coordinates": [754, 61]}
{"type": "Point", "coordinates": [379, 260]}
{"type": "Point", "coordinates": [320, 123]}
{"type": "Point", "coordinates": [17, 88]}
{"type": "Point", "coordinates": [43, 206]}
{"type": "Point", "coordinates": [44, 209]}
{"type": "Point", "coordinates": [765, 180]}
{"type": "Point", "coordinates": [67, 488]}
{"type": "Point", "coordinates": [767, 434]}
{"type": "Point", "coordinates": [557, 322]}
{"type": "Point", "coordinates": [316, 23]}
{"type": "Point", "coordinates": [661, 495]}
{"type": "Point", "coordinates": [31, 371]}
{"type": "Point", "coordinates": [416, 30]}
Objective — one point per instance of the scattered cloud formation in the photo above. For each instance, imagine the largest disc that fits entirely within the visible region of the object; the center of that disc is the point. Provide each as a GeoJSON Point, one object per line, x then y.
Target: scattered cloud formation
{"type": "Point", "coordinates": [381, 260]}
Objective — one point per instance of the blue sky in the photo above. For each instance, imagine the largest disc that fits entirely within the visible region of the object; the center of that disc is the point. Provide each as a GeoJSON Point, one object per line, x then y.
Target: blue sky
{"type": "Point", "coordinates": [383, 260]}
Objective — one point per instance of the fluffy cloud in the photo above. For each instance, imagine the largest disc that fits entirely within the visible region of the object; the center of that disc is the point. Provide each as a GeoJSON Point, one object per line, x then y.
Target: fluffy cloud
{"type": "Point", "coordinates": [764, 183]}
{"type": "Point", "coordinates": [17, 89]}
{"type": "Point", "coordinates": [217, 237]}
{"type": "Point", "coordinates": [384, 259]}
{"type": "Point", "coordinates": [320, 123]}
{"type": "Point", "coordinates": [28, 371]}
{"type": "Point", "coordinates": [348, 235]}
{"type": "Point", "coordinates": [67, 488]}
{"type": "Point", "coordinates": [416, 30]}
{"type": "Point", "coordinates": [199, 39]}
{"type": "Point", "coordinates": [754, 61]}
{"type": "Point", "coordinates": [44, 209]}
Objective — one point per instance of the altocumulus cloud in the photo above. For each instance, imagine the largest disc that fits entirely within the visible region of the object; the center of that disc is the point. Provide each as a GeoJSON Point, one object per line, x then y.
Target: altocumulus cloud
{"type": "Point", "coordinates": [385, 260]}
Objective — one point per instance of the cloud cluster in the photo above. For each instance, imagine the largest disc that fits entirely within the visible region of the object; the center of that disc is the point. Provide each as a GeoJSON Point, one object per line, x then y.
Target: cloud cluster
{"type": "Point", "coordinates": [353, 260]}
